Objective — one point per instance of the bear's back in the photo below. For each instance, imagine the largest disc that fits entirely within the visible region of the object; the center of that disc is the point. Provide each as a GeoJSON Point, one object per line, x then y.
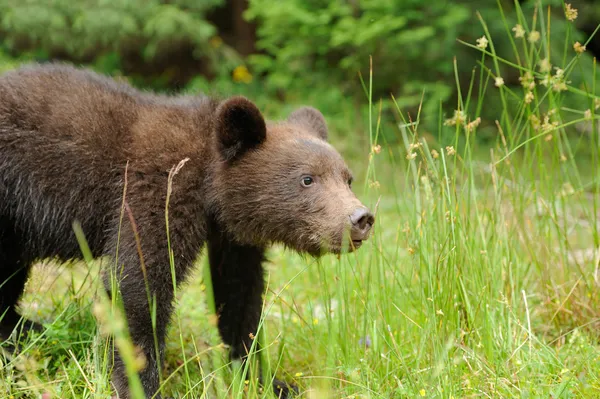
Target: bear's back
{"type": "Point", "coordinates": [65, 103]}
{"type": "Point", "coordinates": [66, 135]}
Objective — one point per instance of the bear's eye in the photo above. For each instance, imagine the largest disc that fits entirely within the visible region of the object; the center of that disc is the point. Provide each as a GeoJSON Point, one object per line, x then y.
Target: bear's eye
{"type": "Point", "coordinates": [307, 181]}
{"type": "Point", "coordinates": [350, 182]}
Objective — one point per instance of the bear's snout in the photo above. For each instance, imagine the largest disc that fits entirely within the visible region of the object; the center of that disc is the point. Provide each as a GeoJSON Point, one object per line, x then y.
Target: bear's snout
{"type": "Point", "coordinates": [362, 220]}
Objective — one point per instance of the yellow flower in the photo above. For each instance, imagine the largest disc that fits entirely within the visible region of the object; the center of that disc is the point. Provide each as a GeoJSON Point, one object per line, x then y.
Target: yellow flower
{"type": "Point", "coordinates": [216, 41]}
{"type": "Point", "coordinates": [422, 392]}
{"type": "Point", "coordinates": [545, 65]}
{"type": "Point", "coordinates": [519, 31]}
{"type": "Point", "coordinates": [534, 36]}
{"type": "Point", "coordinates": [459, 118]}
{"type": "Point", "coordinates": [472, 125]}
{"type": "Point", "coordinates": [578, 47]}
{"type": "Point", "coordinates": [482, 42]}
{"type": "Point", "coordinates": [548, 126]}
{"type": "Point", "coordinates": [529, 97]}
{"type": "Point", "coordinates": [527, 80]}
{"type": "Point", "coordinates": [242, 75]}
{"type": "Point", "coordinates": [499, 81]}
{"type": "Point", "coordinates": [570, 12]}
{"type": "Point", "coordinates": [535, 122]}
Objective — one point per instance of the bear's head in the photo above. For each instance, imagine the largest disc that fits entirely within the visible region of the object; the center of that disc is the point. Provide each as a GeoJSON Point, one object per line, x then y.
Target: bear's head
{"type": "Point", "coordinates": [283, 182]}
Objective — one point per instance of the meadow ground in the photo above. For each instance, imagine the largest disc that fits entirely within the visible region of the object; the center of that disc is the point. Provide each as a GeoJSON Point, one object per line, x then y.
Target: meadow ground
{"type": "Point", "coordinates": [480, 280]}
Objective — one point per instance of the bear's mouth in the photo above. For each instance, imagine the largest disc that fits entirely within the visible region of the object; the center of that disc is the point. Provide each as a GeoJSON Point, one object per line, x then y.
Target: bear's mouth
{"type": "Point", "coordinates": [355, 244]}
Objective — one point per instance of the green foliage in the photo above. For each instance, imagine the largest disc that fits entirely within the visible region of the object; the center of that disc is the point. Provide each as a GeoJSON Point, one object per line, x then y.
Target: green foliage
{"type": "Point", "coordinates": [90, 30]}
{"type": "Point", "coordinates": [410, 42]}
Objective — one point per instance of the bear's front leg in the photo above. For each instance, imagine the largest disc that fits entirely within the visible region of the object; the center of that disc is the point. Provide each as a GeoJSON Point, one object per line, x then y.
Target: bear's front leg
{"type": "Point", "coordinates": [147, 300]}
{"type": "Point", "coordinates": [238, 285]}
{"type": "Point", "coordinates": [142, 274]}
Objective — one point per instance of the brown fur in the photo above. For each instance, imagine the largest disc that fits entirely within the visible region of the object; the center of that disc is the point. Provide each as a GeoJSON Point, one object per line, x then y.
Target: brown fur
{"type": "Point", "coordinates": [66, 137]}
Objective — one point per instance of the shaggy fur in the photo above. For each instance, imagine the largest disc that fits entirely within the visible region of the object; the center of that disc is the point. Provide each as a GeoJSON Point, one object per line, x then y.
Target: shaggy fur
{"type": "Point", "coordinates": [67, 137]}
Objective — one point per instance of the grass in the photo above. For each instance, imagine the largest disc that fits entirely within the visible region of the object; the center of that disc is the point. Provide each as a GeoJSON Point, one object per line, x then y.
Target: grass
{"type": "Point", "coordinates": [480, 280]}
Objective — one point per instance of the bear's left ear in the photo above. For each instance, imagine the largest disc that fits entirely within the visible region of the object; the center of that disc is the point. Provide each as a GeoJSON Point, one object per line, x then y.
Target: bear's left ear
{"type": "Point", "coordinates": [312, 119]}
{"type": "Point", "coordinates": [239, 127]}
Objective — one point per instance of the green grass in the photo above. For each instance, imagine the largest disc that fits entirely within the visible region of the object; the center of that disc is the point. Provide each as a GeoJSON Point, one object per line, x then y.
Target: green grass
{"type": "Point", "coordinates": [480, 280]}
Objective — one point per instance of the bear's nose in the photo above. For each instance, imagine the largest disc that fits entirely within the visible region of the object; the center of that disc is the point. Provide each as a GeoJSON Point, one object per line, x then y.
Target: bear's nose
{"type": "Point", "coordinates": [362, 220]}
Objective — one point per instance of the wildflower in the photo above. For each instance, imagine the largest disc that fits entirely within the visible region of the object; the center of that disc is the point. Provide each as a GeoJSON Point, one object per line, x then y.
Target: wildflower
{"type": "Point", "coordinates": [435, 154]}
{"type": "Point", "coordinates": [242, 75]}
{"type": "Point", "coordinates": [458, 119]}
{"type": "Point", "coordinates": [548, 126]}
{"type": "Point", "coordinates": [450, 150]}
{"type": "Point", "coordinates": [529, 97]}
{"type": "Point", "coordinates": [422, 392]}
{"type": "Point", "coordinates": [411, 155]}
{"type": "Point", "coordinates": [482, 42]}
{"type": "Point", "coordinates": [376, 149]}
{"type": "Point", "coordinates": [545, 66]}
{"type": "Point", "coordinates": [578, 47]}
{"type": "Point", "coordinates": [534, 36]}
{"type": "Point", "coordinates": [527, 80]}
{"type": "Point", "coordinates": [546, 81]}
{"type": "Point", "coordinates": [535, 122]}
{"type": "Point", "coordinates": [298, 374]}
{"type": "Point", "coordinates": [519, 31]}
{"type": "Point", "coordinates": [366, 342]}
{"type": "Point", "coordinates": [499, 81]}
{"type": "Point", "coordinates": [473, 125]}
{"type": "Point", "coordinates": [570, 12]}
{"type": "Point", "coordinates": [315, 321]}
{"type": "Point", "coordinates": [216, 41]}
{"type": "Point", "coordinates": [557, 82]}
{"type": "Point", "coordinates": [559, 85]}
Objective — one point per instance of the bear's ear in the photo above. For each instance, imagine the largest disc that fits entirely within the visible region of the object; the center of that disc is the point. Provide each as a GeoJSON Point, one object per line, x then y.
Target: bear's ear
{"type": "Point", "coordinates": [239, 127]}
{"type": "Point", "coordinates": [312, 119]}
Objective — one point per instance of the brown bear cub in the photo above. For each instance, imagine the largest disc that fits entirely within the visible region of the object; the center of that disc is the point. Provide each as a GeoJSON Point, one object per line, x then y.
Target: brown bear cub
{"type": "Point", "coordinates": [79, 147]}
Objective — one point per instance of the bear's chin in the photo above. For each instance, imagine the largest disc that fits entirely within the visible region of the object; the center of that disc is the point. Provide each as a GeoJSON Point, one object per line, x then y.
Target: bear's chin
{"type": "Point", "coordinates": [333, 249]}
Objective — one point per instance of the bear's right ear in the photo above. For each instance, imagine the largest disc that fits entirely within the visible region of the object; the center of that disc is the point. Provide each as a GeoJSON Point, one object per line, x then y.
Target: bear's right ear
{"type": "Point", "coordinates": [239, 127]}
{"type": "Point", "coordinates": [312, 119]}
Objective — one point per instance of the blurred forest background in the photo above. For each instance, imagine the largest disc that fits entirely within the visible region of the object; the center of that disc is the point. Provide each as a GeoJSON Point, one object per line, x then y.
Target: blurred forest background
{"type": "Point", "coordinates": [286, 52]}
